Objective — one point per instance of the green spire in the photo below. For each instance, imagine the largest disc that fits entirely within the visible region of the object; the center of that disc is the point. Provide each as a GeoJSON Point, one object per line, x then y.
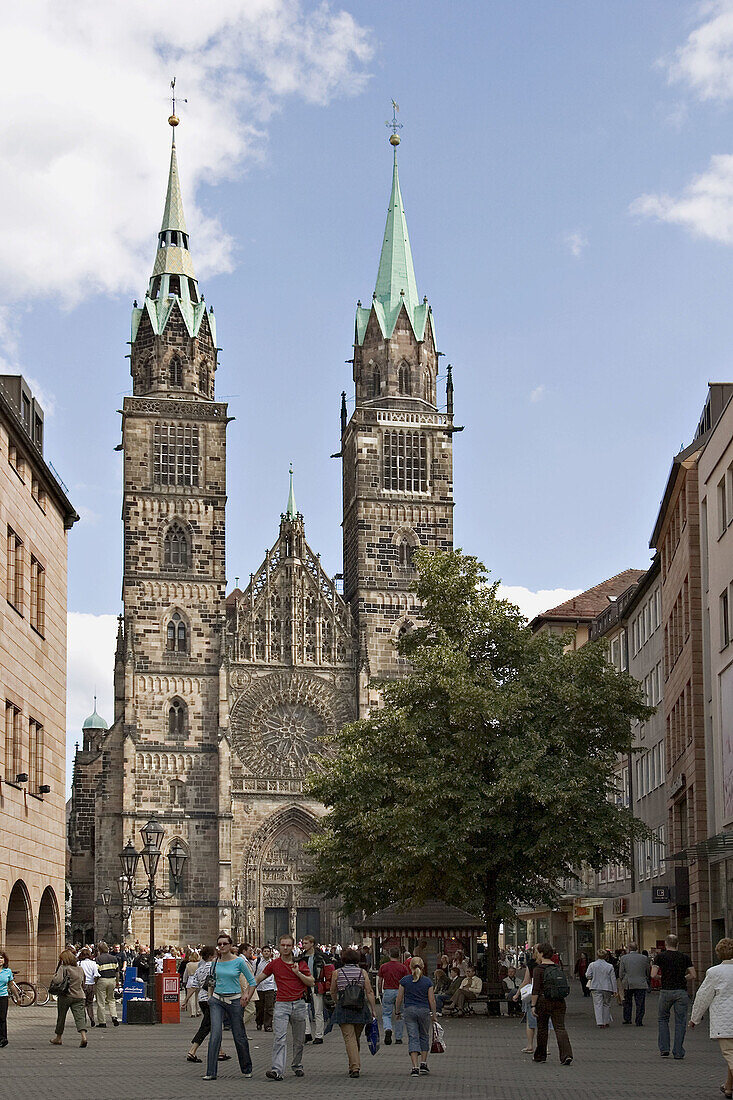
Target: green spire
{"type": "Point", "coordinates": [396, 272]}
{"type": "Point", "coordinates": [291, 511]}
{"type": "Point", "coordinates": [173, 213]}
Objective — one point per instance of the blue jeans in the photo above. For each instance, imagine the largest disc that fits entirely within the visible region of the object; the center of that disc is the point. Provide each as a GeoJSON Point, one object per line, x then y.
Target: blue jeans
{"type": "Point", "coordinates": [233, 1012]}
{"type": "Point", "coordinates": [389, 996]}
{"type": "Point", "coordinates": [419, 1029]}
{"type": "Point", "coordinates": [677, 1000]}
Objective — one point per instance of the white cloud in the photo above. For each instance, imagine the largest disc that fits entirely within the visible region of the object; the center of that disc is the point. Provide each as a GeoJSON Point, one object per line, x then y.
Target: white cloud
{"type": "Point", "coordinates": [705, 62]}
{"type": "Point", "coordinates": [576, 242]}
{"type": "Point", "coordinates": [83, 135]}
{"type": "Point", "coordinates": [537, 394]}
{"type": "Point", "coordinates": [90, 660]}
{"type": "Point", "coordinates": [705, 207]}
{"type": "Point", "coordinates": [533, 603]}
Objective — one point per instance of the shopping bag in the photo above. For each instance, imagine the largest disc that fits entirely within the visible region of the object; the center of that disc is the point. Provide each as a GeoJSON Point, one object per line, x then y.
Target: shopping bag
{"type": "Point", "coordinates": [438, 1044]}
{"type": "Point", "coordinates": [373, 1035]}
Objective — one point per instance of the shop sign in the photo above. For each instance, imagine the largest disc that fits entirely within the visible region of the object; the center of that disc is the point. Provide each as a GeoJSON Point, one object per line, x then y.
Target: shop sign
{"type": "Point", "coordinates": [582, 912]}
{"type": "Point", "coordinates": [660, 895]}
{"type": "Point", "coordinates": [620, 905]}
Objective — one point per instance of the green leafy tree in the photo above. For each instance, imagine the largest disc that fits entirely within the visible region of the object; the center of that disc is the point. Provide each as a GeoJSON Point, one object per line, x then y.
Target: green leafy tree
{"type": "Point", "coordinates": [490, 772]}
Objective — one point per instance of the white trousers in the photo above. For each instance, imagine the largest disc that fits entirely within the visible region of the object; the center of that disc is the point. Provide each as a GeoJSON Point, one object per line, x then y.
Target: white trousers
{"type": "Point", "coordinates": [602, 1005]}
{"type": "Point", "coordinates": [314, 1027]}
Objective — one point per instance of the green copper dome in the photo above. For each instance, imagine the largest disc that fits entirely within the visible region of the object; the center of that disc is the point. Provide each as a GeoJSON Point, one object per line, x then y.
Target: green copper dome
{"type": "Point", "coordinates": [94, 722]}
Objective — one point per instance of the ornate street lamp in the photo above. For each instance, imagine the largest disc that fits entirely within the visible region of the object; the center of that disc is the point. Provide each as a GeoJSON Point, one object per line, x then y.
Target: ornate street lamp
{"type": "Point", "coordinates": [128, 859]}
{"type": "Point", "coordinates": [153, 834]}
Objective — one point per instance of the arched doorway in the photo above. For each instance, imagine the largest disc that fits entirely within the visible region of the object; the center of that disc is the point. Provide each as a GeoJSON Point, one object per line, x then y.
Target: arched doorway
{"type": "Point", "coordinates": [48, 935]}
{"type": "Point", "coordinates": [18, 931]}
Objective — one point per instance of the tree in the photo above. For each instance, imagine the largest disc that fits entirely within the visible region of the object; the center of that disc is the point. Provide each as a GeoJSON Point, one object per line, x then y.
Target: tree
{"type": "Point", "coordinates": [489, 774]}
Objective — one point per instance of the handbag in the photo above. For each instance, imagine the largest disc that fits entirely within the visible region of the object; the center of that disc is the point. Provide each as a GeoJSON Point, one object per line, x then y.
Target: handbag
{"type": "Point", "coordinates": [438, 1043]}
{"type": "Point", "coordinates": [372, 1034]}
{"type": "Point", "coordinates": [59, 987]}
{"type": "Point", "coordinates": [210, 982]}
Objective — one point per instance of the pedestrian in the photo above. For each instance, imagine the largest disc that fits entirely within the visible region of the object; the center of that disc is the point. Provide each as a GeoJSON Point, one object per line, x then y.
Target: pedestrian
{"type": "Point", "coordinates": [91, 973]}
{"type": "Point", "coordinates": [291, 980]}
{"type": "Point", "coordinates": [550, 987]}
{"type": "Point", "coordinates": [581, 968]}
{"type": "Point", "coordinates": [321, 970]}
{"type": "Point", "coordinates": [603, 986]}
{"type": "Point", "coordinates": [265, 991]}
{"type": "Point", "coordinates": [6, 982]}
{"type": "Point", "coordinates": [108, 965]}
{"type": "Point", "coordinates": [70, 972]}
{"type": "Point", "coordinates": [633, 972]}
{"type": "Point", "coordinates": [716, 994]}
{"type": "Point", "coordinates": [192, 994]}
{"type": "Point", "coordinates": [417, 994]}
{"type": "Point", "coordinates": [355, 1006]}
{"type": "Point", "coordinates": [198, 985]}
{"type": "Point", "coordinates": [675, 969]}
{"type": "Point", "coordinates": [388, 982]}
{"type": "Point", "coordinates": [232, 980]}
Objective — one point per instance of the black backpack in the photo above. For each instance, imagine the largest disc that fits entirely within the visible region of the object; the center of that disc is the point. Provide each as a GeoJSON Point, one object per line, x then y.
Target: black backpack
{"type": "Point", "coordinates": [555, 985]}
{"type": "Point", "coordinates": [352, 996]}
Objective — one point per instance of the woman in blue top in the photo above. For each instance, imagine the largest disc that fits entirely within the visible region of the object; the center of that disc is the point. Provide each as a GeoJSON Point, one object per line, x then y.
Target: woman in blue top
{"type": "Point", "coordinates": [6, 980]}
{"type": "Point", "coordinates": [417, 994]}
{"type": "Point", "coordinates": [232, 976]}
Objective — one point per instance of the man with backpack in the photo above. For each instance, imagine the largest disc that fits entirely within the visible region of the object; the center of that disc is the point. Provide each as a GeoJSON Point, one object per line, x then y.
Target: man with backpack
{"type": "Point", "coordinates": [550, 987]}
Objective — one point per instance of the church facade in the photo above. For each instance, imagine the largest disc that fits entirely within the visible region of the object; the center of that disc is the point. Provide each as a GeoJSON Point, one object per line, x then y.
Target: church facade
{"type": "Point", "coordinates": [222, 702]}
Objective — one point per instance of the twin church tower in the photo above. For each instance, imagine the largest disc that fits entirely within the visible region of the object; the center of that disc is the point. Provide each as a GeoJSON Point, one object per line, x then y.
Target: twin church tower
{"type": "Point", "coordinates": [220, 700]}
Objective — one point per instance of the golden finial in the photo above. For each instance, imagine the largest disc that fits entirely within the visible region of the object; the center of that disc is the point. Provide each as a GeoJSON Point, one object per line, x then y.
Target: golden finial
{"type": "Point", "coordinates": [394, 125]}
{"type": "Point", "coordinates": [173, 118]}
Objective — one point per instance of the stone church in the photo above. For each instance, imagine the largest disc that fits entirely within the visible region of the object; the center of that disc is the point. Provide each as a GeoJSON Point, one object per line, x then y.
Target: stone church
{"type": "Point", "coordinates": [221, 701]}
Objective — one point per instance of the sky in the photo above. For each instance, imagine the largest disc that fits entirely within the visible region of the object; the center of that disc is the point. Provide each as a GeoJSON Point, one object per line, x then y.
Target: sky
{"type": "Point", "coordinates": [567, 172]}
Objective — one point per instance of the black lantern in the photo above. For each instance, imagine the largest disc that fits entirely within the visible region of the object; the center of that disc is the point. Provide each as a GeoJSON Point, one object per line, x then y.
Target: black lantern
{"type": "Point", "coordinates": [106, 897]}
{"type": "Point", "coordinates": [124, 886]}
{"type": "Point", "coordinates": [176, 861]}
{"type": "Point", "coordinates": [150, 857]}
{"type": "Point", "coordinates": [153, 834]}
{"type": "Point", "coordinates": [128, 859]}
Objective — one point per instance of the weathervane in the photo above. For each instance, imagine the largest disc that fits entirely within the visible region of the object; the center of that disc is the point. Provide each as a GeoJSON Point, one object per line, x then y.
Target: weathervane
{"type": "Point", "coordinates": [394, 125]}
{"type": "Point", "coordinates": [174, 119]}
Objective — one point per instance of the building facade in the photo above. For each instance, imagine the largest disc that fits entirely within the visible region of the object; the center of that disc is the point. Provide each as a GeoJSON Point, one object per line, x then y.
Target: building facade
{"type": "Point", "coordinates": [221, 703]}
{"type": "Point", "coordinates": [36, 517]}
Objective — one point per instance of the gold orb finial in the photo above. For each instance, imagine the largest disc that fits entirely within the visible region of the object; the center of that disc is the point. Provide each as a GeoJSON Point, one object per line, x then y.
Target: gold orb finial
{"type": "Point", "coordinates": [173, 120]}
{"type": "Point", "coordinates": [394, 140]}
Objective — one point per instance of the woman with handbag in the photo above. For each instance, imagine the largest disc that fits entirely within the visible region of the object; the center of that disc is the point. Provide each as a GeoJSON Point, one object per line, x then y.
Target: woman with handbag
{"type": "Point", "coordinates": [355, 1005]}
{"type": "Point", "coordinates": [67, 985]}
{"type": "Point", "coordinates": [228, 986]}
{"type": "Point", "coordinates": [417, 994]}
{"type": "Point", "coordinates": [6, 982]}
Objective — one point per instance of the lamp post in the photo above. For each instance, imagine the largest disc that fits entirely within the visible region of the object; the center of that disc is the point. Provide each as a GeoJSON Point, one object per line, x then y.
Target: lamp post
{"type": "Point", "coordinates": [123, 885]}
{"type": "Point", "coordinates": [152, 834]}
{"type": "Point", "coordinates": [105, 899]}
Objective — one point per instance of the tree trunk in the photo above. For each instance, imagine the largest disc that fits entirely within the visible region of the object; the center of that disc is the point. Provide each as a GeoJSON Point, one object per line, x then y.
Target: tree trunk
{"type": "Point", "coordinates": [492, 935]}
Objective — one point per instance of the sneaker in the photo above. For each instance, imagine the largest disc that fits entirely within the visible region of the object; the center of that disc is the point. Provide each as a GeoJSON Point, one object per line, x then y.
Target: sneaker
{"type": "Point", "coordinates": [298, 1071]}
{"type": "Point", "coordinates": [567, 1061]}
{"type": "Point", "coordinates": [424, 1067]}
{"type": "Point", "coordinates": [100, 1025]}
{"type": "Point", "coordinates": [353, 1073]}
{"type": "Point", "coordinates": [247, 1073]}
{"type": "Point", "coordinates": [273, 1075]}
{"type": "Point", "coordinates": [308, 1039]}
{"type": "Point", "coordinates": [207, 1078]}
{"type": "Point", "coordinates": [414, 1073]}
{"type": "Point", "coordinates": [388, 1037]}
{"type": "Point", "coordinates": [318, 1042]}
{"type": "Point", "coordinates": [664, 1053]}
{"type": "Point", "coordinates": [115, 1022]}
{"type": "Point", "coordinates": [398, 1042]}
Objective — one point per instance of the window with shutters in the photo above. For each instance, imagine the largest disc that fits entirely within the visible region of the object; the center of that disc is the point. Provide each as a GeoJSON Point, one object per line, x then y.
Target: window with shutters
{"type": "Point", "coordinates": [405, 466]}
{"type": "Point", "coordinates": [175, 454]}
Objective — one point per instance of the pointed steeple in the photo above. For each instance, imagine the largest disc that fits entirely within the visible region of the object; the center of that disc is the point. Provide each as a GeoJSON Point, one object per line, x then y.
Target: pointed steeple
{"type": "Point", "coordinates": [173, 212]}
{"type": "Point", "coordinates": [396, 277]}
{"type": "Point", "coordinates": [291, 511]}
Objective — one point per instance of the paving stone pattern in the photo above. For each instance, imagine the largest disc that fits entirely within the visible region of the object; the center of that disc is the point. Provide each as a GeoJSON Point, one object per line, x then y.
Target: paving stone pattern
{"type": "Point", "coordinates": [483, 1060]}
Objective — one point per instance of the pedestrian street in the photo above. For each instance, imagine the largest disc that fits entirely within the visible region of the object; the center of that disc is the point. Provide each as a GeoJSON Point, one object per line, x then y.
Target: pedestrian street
{"type": "Point", "coordinates": [483, 1059]}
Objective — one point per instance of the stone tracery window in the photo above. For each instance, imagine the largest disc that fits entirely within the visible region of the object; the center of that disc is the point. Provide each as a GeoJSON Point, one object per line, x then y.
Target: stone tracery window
{"type": "Point", "coordinates": [175, 372]}
{"type": "Point", "coordinates": [405, 554]}
{"type": "Point", "coordinates": [403, 376]}
{"type": "Point", "coordinates": [405, 466]}
{"type": "Point", "coordinates": [175, 548]}
{"type": "Point", "coordinates": [176, 634]}
{"type": "Point", "coordinates": [175, 454]}
{"type": "Point", "coordinates": [177, 718]}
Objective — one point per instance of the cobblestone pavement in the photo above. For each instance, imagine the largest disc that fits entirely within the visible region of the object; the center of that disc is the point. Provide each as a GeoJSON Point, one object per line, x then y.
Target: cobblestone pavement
{"type": "Point", "coordinates": [483, 1060]}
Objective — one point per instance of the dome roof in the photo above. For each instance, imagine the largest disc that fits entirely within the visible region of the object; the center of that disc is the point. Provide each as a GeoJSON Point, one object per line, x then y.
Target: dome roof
{"type": "Point", "coordinates": [94, 722]}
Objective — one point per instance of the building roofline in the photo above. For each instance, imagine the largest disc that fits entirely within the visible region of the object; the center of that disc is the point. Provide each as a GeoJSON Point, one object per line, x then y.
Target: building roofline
{"type": "Point", "coordinates": [36, 460]}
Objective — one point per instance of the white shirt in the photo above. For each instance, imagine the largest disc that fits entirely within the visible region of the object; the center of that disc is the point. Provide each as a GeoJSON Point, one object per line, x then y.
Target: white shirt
{"type": "Point", "coordinates": [269, 982]}
{"type": "Point", "coordinates": [91, 971]}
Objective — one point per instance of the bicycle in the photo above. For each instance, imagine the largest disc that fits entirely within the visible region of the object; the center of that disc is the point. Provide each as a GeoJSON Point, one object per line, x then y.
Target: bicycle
{"type": "Point", "coordinates": [30, 994]}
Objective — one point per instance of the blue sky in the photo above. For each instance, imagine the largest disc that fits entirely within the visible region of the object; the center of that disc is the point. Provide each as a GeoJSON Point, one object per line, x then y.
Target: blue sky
{"type": "Point", "coordinates": [568, 224]}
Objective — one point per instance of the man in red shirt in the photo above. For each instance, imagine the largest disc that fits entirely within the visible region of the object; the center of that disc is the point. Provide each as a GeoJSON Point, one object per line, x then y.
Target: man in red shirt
{"type": "Point", "coordinates": [388, 982]}
{"type": "Point", "coordinates": [292, 980]}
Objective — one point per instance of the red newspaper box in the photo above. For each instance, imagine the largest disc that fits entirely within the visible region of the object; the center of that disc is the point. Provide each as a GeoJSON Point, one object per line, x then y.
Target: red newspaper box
{"type": "Point", "coordinates": [168, 994]}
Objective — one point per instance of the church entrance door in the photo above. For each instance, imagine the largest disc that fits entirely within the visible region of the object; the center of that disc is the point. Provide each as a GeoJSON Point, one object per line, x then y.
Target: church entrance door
{"type": "Point", "coordinates": [308, 922]}
{"type": "Point", "coordinates": [277, 924]}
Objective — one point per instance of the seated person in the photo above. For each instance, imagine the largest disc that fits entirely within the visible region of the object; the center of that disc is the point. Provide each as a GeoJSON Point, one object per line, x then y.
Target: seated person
{"type": "Point", "coordinates": [511, 987]}
{"type": "Point", "coordinates": [441, 977]}
{"type": "Point", "coordinates": [466, 993]}
{"type": "Point", "coordinates": [455, 984]}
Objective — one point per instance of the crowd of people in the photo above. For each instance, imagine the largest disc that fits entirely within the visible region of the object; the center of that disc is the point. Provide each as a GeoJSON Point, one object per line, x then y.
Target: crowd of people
{"type": "Point", "coordinates": [300, 992]}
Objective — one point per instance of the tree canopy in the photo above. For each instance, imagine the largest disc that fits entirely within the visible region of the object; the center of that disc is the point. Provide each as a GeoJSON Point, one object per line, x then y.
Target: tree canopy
{"type": "Point", "coordinates": [490, 772]}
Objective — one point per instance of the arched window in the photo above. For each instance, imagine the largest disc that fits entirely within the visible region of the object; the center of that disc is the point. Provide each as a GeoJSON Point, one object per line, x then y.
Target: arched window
{"type": "Point", "coordinates": [175, 372]}
{"type": "Point", "coordinates": [178, 794]}
{"type": "Point", "coordinates": [405, 552]}
{"type": "Point", "coordinates": [404, 379]}
{"type": "Point", "coordinates": [175, 548]}
{"type": "Point", "coordinates": [176, 635]}
{"type": "Point", "coordinates": [376, 383]}
{"type": "Point", "coordinates": [427, 386]}
{"type": "Point", "coordinates": [203, 380]}
{"type": "Point", "coordinates": [177, 715]}
{"type": "Point", "coordinates": [405, 628]}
